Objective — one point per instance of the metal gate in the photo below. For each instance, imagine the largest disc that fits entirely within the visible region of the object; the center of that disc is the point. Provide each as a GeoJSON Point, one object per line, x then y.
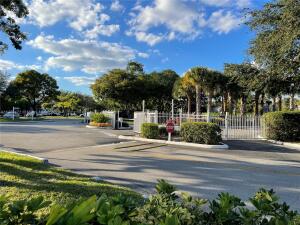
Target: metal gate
{"type": "Point", "coordinates": [233, 126]}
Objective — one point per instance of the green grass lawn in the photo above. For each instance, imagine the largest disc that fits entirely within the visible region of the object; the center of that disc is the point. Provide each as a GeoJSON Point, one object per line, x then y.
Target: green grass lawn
{"type": "Point", "coordinates": [24, 177]}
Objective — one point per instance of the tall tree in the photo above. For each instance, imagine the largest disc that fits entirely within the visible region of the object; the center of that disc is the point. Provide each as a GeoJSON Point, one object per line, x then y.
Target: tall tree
{"type": "Point", "coordinates": [3, 81]}
{"type": "Point", "coordinates": [66, 102]}
{"type": "Point", "coordinates": [8, 24]}
{"type": "Point", "coordinates": [160, 89]}
{"type": "Point", "coordinates": [183, 88]}
{"type": "Point", "coordinates": [247, 79]}
{"type": "Point", "coordinates": [118, 89]}
{"type": "Point", "coordinates": [35, 87]}
{"type": "Point", "coordinates": [210, 82]}
{"type": "Point", "coordinates": [276, 44]}
{"type": "Point", "coordinates": [135, 68]}
{"type": "Point", "coordinates": [195, 74]}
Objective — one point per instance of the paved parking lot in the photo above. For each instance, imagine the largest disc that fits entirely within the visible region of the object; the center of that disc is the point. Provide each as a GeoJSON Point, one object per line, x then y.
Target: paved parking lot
{"type": "Point", "coordinates": [241, 170]}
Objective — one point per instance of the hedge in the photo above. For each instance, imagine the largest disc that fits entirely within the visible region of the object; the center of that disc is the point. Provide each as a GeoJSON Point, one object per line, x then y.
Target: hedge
{"type": "Point", "coordinates": [99, 118]}
{"type": "Point", "coordinates": [201, 132]}
{"type": "Point", "coordinates": [166, 207]}
{"type": "Point", "coordinates": [150, 130]}
{"type": "Point", "coordinates": [282, 126]}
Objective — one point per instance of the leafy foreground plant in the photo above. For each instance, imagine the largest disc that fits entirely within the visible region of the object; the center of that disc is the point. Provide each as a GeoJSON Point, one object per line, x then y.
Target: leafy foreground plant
{"type": "Point", "coordinates": [163, 208]}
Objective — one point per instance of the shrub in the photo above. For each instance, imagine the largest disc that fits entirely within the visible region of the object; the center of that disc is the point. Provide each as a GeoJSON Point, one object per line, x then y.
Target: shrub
{"type": "Point", "coordinates": [162, 131]}
{"type": "Point", "coordinates": [282, 126]}
{"type": "Point", "coordinates": [99, 118]}
{"type": "Point", "coordinates": [163, 208]}
{"type": "Point", "coordinates": [100, 124]}
{"type": "Point", "coordinates": [150, 130]}
{"type": "Point", "coordinates": [201, 132]}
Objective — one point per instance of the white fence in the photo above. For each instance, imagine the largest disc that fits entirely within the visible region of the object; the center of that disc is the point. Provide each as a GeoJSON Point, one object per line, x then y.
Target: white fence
{"type": "Point", "coordinates": [233, 127]}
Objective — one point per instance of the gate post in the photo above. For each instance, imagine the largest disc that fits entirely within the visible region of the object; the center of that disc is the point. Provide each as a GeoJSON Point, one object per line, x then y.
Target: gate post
{"type": "Point", "coordinates": [156, 116]}
{"type": "Point", "coordinates": [180, 117]}
{"type": "Point", "coordinates": [226, 126]}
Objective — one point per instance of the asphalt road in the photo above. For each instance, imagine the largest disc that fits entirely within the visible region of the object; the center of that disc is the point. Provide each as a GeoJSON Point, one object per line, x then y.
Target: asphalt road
{"type": "Point", "coordinates": [46, 136]}
{"type": "Point", "coordinates": [241, 170]}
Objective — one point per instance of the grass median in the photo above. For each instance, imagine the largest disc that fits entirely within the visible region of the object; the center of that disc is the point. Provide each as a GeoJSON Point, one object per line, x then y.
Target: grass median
{"type": "Point", "coordinates": [24, 177]}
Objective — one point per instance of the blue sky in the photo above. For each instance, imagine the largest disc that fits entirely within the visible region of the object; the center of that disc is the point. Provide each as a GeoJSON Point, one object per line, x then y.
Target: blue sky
{"type": "Point", "coordinates": [76, 41]}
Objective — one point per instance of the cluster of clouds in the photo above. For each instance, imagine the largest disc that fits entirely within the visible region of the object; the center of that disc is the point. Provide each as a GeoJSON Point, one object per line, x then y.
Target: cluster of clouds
{"type": "Point", "coordinates": [8, 65]}
{"type": "Point", "coordinates": [89, 56]}
{"type": "Point", "coordinates": [183, 20]}
{"type": "Point", "coordinates": [150, 22]}
{"type": "Point", "coordinates": [85, 16]}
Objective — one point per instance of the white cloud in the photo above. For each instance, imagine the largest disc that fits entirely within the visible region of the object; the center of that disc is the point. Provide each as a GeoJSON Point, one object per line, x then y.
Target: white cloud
{"type": "Point", "coordinates": [86, 55]}
{"type": "Point", "coordinates": [116, 6]}
{"type": "Point", "coordinates": [100, 29]}
{"type": "Point", "coordinates": [143, 55]}
{"type": "Point", "coordinates": [81, 80]}
{"type": "Point", "coordinates": [223, 22]}
{"type": "Point", "coordinates": [217, 3]}
{"type": "Point", "coordinates": [227, 3]}
{"type": "Point", "coordinates": [180, 20]}
{"type": "Point", "coordinates": [9, 65]}
{"type": "Point", "coordinates": [81, 15]}
{"type": "Point", "coordinates": [149, 38]}
{"type": "Point", "coordinates": [39, 58]}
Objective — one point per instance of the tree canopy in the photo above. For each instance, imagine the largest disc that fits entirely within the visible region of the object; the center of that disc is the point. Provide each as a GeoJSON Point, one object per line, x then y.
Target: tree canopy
{"type": "Point", "coordinates": [8, 24]}
{"type": "Point", "coordinates": [34, 87]}
{"type": "Point", "coordinates": [126, 89]}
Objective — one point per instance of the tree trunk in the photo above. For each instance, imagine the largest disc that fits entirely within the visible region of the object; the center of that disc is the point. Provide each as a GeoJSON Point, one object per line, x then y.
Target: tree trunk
{"type": "Point", "coordinates": [273, 104]}
{"type": "Point", "coordinates": [230, 103]}
{"type": "Point", "coordinates": [292, 101]}
{"type": "Point", "coordinates": [222, 105]}
{"type": "Point", "coordinates": [256, 100]}
{"type": "Point", "coordinates": [225, 101]}
{"type": "Point", "coordinates": [197, 100]}
{"type": "Point", "coordinates": [209, 103]}
{"type": "Point", "coordinates": [34, 107]}
{"type": "Point", "coordinates": [189, 105]}
{"type": "Point", "coordinates": [262, 104]}
{"type": "Point", "coordinates": [279, 103]}
{"type": "Point", "coordinates": [243, 105]}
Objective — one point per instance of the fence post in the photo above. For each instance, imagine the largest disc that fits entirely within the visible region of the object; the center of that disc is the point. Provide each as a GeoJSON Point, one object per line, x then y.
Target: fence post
{"type": "Point", "coordinates": [180, 117]}
{"type": "Point", "coordinates": [156, 116]}
{"type": "Point", "coordinates": [172, 109]}
{"type": "Point", "coordinates": [254, 126]}
{"type": "Point", "coordinates": [226, 126]}
{"type": "Point", "coordinates": [208, 116]}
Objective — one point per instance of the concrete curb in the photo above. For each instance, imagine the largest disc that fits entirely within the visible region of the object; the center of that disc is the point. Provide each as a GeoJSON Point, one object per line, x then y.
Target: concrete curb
{"type": "Point", "coordinates": [222, 146]}
{"type": "Point", "coordinates": [287, 144]}
{"type": "Point", "coordinates": [44, 160]}
{"type": "Point", "coordinates": [101, 128]}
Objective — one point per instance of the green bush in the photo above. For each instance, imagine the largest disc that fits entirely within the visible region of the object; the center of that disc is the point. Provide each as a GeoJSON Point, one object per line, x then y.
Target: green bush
{"type": "Point", "coordinates": [166, 207]}
{"type": "Point", "coordinates": [201, 132]}
{"type": "Point", "coordinates": [99, 118]}
{"type": "Point", "coordinates": [150, 130]}
{"type": "Point", "coordinates": [282, 126]}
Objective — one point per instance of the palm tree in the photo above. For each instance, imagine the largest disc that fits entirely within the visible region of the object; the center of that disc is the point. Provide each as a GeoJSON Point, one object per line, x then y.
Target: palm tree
{"type": "Point", "coordinates": [183, 87]}
{"type": "Point", "coordinates": [196, 77]}
{"type": "Point", "coordinates": [210, 83]}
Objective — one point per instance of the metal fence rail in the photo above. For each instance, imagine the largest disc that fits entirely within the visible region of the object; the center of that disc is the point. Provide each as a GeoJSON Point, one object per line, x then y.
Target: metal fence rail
{"type": "Point", "coordinates": [233, 126]}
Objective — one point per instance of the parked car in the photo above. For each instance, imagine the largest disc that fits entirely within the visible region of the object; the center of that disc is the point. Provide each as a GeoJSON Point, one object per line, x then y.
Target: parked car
{"type": "Point", "coordinates": [11, 115]}
{"type": "Point", "coordinates": [54, 113]}
{"type": "Point", "coordinates": [30, 114]}
{"type": "Point", "coordinates": [44, 113]}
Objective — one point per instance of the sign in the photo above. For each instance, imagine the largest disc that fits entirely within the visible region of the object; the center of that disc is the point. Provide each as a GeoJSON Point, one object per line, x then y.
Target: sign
{"type": "Point", "coordinates": [170, 126]}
